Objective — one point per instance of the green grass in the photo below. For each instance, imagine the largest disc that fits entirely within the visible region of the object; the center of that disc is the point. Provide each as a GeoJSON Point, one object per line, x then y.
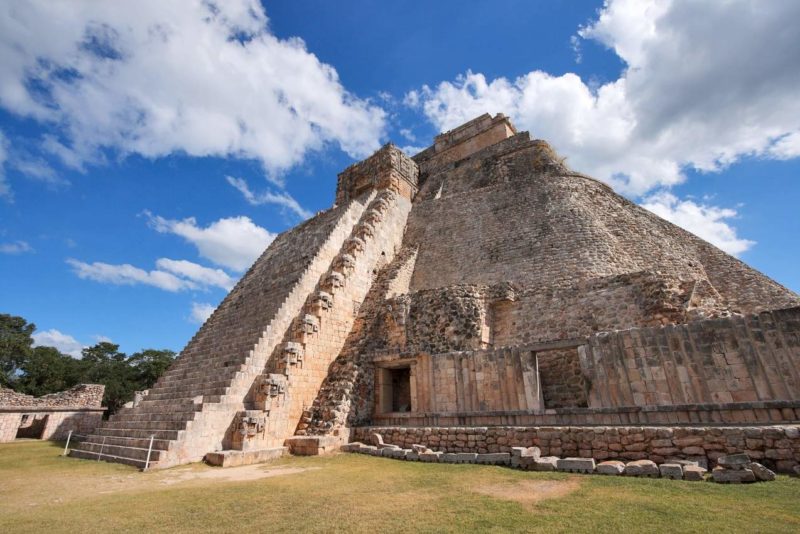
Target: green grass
{"type": "Point", "coordinates": [42, 492]}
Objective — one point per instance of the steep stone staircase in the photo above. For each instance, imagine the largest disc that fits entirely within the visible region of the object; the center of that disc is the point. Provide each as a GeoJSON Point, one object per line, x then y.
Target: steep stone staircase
{"type": "Point", "coordinates": [188, 410]}
{"type": "Point", "coordinates": [278, 400]}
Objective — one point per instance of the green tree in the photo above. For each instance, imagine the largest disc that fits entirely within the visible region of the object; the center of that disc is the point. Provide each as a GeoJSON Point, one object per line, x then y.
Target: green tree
{"type": "Point", "coordinates": [103, 363]}
{"type": "Point", "coordinates": [15, 346]}
{"type": "Point", "coordinates": [150, 364]}
{"type": "Point", "coordinates": [46, 370]}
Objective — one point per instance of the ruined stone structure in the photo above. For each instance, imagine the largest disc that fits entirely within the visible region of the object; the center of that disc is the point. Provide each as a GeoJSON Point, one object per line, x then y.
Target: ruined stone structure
{"type": "Point", "coordinates": [478, 296]}
{"type": "Point", "coordinates": [50, 416]}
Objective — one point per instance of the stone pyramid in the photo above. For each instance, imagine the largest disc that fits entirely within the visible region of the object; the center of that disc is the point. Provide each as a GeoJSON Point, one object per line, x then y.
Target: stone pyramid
{"type": "Point", "coordinates": [480, 283]}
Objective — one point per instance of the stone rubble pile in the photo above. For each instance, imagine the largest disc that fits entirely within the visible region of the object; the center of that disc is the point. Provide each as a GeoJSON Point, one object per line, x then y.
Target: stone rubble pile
{"type": "Point", "coordinates": [733, 468]}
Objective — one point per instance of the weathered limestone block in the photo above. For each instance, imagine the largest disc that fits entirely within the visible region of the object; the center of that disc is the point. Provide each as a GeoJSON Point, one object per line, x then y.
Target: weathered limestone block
{"type": "Point", "coordinates": [694, 473]}
{"type": "Point", "coordinates": [365, 230]}
{"type": "Point", "coordinates": [611, 467]}
{"type": "Point", "coordinates": [308, 324]}
{"type": "Point", "coordinates": [293, 353]}
{"type": "Point", "coordinates": [345, 263]}
{"type": "Point", "coordinates": [524, 456]}
{"type": "Point", "coordinates": [430, 456]}
{"type": "Point", "coordinates": [673, 471]}
{"type": "Point", "coordinates": [761, 472]}
{"type": "Point", "coordinates": [545, 463]}
{"type": "Point", "coordinates": [734, 461]}
{"type": "Point", "coordinates": [376, 439]}
{"type": "Point", "coordinates": [459, 457]}
{"type": "Point", "coordinates": [576, 465]}
{"type": "Point", "coordinates": [735, 476]}
{"type": "Point", "coordinates": [334, 281]}
{"type": "Point", "coordinates": [420, 449]}
{"type": "Point", "coordinates": [373, 216]}
{"type": "Point", "coordinates": [641, 468]}
{"type": "Point", "coordinates": [322, 302]}
{"type": "Point", "coordinates": [495, 458]}
{"type": "Point", "coordinates": [354, 245]}
{"type": "Point", "coordinates": [351, 447]}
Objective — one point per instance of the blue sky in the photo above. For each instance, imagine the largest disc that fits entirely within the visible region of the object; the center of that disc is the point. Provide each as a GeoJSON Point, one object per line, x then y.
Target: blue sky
{"type": "Point", "coordinates": [149, 151]}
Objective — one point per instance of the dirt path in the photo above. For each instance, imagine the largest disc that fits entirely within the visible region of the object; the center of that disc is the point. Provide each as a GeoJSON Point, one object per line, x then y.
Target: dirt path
{"type": "Point", "coordinates": [530, 492]}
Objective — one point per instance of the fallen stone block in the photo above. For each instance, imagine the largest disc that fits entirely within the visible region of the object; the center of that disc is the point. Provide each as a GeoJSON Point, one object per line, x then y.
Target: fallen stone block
{"type": "Point", "coordinates": [672, 471]}
{"type": "Point", "coordinates": [397, 453]}
{"type": "Point", "coordinates": [459, 457]}
{"type": "Point", "coordinates": [420, 448]}
{"type": "Point", "coordinates": [722, 475]}
{"type": "Point", "coordinates": [761, 472]}
{"type": "Point", "coordinates": [694, 473]}
{"type": "Point", "coordinates": [430, 456]}
{"type": "Point", "coordinates": [519, 453]}
{"type": "Point", "coordinates": [545, 463]}
{"type": "Point", "coordinates": [611, 467]}
{"type": "Point", "coordinates": [351, 447]}
{"type": "Point", "coordinates": [494, 458]}
{"type": "Point", "coordinates": [376, 439]}
{"type": "Point", "coordinates": [641, 468]}
{"type": "Point", "coordinates": [734, 461]}
{"type": "Point", "coordinates": [576, 465]}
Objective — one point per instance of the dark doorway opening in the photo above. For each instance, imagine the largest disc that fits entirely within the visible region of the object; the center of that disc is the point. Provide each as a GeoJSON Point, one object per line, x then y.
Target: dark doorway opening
{"type": "Point", "coordinates": [32, 426]}
{"type": "Point", "coordinates": [401, 389]}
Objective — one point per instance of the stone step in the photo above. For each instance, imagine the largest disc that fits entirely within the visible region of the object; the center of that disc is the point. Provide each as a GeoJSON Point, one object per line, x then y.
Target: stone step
{"type": "Point", "coordinates": [139, 443]}
{"type": "Point", "coordinates": [164, 416]}
{"type": "Point", "coordinates": [189, 394]}
{"type": "Point", "coordinates": [89, 455]}
{"type": "Point", "coordinates": [180, 385]}
{"type": "Point", "coordinates": [202, 374]}
{"type": "Point", "coordinates": [134, 453]}
{"type": "Point", "coordinates": [162, 407]}
{"type": "Point", "coordinates": [169, 435]}
{"type": "Point", "coordinates": [148, 425]}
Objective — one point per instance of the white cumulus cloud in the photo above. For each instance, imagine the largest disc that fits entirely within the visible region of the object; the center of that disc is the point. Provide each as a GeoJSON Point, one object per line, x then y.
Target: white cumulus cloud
{"type": "Point", "coordinates": [127, 274]}
{"type": "Point", "coordinates": [201, 311]}
{"type": "Point", "coordinates": [204, 276]}
{"type": "Point", "coordinates": [703, 220]}
{"type": "Point", "coordinates": [233, 242]}
{"type": "Point", "coordinates": [65, 343]}
{"type": "Point", "coordinates": [169, 275]}
{"type": "Point", "coordinates": [283, 199]}
{"type": "Point", "coordinates": [158, 77]}
{"type": "Point", "coordinates": [706, 84]}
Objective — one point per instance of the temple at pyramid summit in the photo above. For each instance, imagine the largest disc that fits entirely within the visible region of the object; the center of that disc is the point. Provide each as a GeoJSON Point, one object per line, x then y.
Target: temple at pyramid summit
{"type": "Point", "coordinates": [479, 296]}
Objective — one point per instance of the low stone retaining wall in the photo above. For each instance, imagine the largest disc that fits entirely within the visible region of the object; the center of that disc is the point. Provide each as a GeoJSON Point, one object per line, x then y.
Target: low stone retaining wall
{"type": "Point", "coordinates": [777, 447]}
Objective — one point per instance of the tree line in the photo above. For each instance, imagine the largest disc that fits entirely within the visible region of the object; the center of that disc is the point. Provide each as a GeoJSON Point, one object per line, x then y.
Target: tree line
{"type": "Point", "coordinates": [41, 370]}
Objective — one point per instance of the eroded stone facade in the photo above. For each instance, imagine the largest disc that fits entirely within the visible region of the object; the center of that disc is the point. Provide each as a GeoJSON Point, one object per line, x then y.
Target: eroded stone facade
{"type": "Point", "coordinates": [481, 283]}
{"type": "Point", "coordinates": [53, 416]}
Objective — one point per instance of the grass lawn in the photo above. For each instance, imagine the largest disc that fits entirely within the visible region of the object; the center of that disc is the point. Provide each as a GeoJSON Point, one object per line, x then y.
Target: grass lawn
{"type": "Point", "coordinates": [41, 491]}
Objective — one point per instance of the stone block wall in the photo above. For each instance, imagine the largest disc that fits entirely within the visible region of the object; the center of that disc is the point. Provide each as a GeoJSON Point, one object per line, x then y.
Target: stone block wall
{"type": "Point", "coordinates": [497, 217]}
{"type": "Point", "coordinates": [54, 415]}
{"type": "Point", "coordinates": [388, 168]}
{"type": "Point", "coordinates": [9, 424]}
{"type": "Point", "coordinates": [734, 359]}
{"type": "Point", "coordinates": [80, 396]}
{"type": "Point", "coordinates": [562, 381]}
{"type": "Point", "coordinates": [776, 446]}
